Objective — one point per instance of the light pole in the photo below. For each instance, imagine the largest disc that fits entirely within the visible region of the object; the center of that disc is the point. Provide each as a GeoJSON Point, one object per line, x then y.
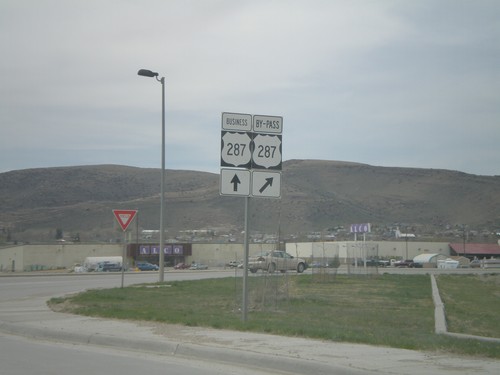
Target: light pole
{"type": "Point", "coordinates": [149, 73]}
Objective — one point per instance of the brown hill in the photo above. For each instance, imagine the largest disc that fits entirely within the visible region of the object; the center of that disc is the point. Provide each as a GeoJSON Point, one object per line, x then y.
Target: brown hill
{"type": "Point", "coordinates": [316, 195]}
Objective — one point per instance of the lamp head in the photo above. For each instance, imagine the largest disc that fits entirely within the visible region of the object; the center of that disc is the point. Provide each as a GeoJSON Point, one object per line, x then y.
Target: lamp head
{"type": "Point", "coordinates": [147, 73]}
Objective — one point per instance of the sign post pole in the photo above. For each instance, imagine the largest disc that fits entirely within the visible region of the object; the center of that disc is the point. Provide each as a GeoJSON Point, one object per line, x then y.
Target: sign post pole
{"type": "Point", "coordinates": [124, 218]}
{"type": "Point", "coordinates": [245, 265]}
{"type": "Point", "coordinates": [251, 157]}
{"type": "Point", "coordinates": [361, 228]}
{"type": "Point", "coordinates": [124, 256]}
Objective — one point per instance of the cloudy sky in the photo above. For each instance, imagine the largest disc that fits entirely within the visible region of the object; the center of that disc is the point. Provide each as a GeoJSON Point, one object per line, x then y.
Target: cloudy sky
{"type": "Point", "coordinates": [387, 83]}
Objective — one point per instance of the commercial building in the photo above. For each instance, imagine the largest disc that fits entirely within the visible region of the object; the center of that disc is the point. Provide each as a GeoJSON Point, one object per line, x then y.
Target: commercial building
{"type": "Point", "coordinates": [31, 257]}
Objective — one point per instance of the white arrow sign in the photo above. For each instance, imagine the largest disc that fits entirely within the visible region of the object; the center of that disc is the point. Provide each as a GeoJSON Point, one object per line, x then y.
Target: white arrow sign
{"type": "Point", "coordinates": [266, 184]}
{"type": "Point", "coordinates": [235, 182]}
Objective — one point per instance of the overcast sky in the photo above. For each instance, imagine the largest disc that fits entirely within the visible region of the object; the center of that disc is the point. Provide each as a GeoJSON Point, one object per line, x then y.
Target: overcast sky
{"type": "Point", "coordinates": [387, 83]}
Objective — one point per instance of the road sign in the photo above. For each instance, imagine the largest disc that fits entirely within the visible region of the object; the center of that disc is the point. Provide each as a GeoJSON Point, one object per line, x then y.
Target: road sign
{"type": "Point", "coordinates": [266, 152]}
{"type": "Point", "coordinates": [235, 182]}
{"type": "Point", "coordinates": [267, 124]}
{"type": "Point", "coordinates": [266, 184]}
{"type": "Point", "coordinates": [360, 228]}
{"type": "Point", "coordinates": [253, 143]}
{"type": "Point", "coordinates": [236, 122]}
{"type": "Point", "coordinates": [235, 149]}
{"type": "Point", "coordinates": [124, 217]}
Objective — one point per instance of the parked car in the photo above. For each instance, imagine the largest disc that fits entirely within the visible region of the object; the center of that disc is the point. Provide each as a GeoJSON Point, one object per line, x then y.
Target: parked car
{"type": "Point", "coordinates": [371, 263]}
{"type": "Point", "coordinates": [384, 263]}
{"type": "Point", "coordinates": [108, 267]}
{"type": "Point", "coordinates": [476, 263]}
{"type": "Point", "coordinates": [276, 261]}
{"type": "Point", "coordinates": [318, 265]}
{"type": "Point", "coordinates": [198, 266]}
{"type": "Point", "coordinates": [146, 266]}
{"type": "Point", "coordinates": [181, 266]}
{"type": "Point", "coordinates": [407, 264]}
{"type": "Point", "coordinates": [233, 264]}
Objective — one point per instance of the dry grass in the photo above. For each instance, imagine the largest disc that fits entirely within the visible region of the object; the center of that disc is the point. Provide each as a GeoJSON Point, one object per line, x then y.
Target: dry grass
{"type": "Point", "coordinates": [472, 303]}
{"type": "Point", "coordinates": [389, 310]}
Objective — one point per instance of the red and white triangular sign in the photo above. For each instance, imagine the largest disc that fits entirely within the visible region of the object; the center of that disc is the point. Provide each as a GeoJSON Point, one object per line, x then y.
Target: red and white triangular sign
{"type": "Point", "coordinates": [124, 217]}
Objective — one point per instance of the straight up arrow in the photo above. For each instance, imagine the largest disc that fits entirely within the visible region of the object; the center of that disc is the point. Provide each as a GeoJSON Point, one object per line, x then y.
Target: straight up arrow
{"type": "Point", "coordinates": [235, 181]}
{"type": "Point", "coordinates": [269, 182]}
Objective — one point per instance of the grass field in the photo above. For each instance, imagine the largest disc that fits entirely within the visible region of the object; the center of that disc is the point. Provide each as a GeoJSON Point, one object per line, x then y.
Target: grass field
{"type": "Point", "coordinates": [472, 303]}
{"type": "Point", "coordinates": [388, 310]}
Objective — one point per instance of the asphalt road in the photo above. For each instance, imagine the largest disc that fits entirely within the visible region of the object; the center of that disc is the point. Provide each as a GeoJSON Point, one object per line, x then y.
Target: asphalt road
{"type": "Point", "coordinates": [22, 295]}
{"type": "Point", "coordinates": [22, 356]}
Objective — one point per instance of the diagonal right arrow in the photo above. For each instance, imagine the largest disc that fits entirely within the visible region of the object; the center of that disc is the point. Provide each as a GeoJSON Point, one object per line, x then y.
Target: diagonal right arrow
{"type": "Point", "coordinates": [269, 182]}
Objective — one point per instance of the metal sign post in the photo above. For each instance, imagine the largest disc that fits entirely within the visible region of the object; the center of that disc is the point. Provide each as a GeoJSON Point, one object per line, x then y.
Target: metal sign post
{"type": "Point", "coordinates": [244, 306]}
{"type": "Point", "coordinates": [361, 228]}
{"type": "Point", "coordinates": [124, 218]}
{"type": "Point", "coordinates": [251, 159]}
{"type": "Point", "coordinates": [124, 256]}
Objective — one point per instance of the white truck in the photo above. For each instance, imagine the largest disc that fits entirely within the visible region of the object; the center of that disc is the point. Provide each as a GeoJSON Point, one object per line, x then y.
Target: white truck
{"type": "Point", "coordinates": [448, 263]}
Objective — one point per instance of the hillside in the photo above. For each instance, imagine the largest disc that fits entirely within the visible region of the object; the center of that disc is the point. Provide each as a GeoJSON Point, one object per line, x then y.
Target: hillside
{"type": "Point", "coordinates": [316, 195]}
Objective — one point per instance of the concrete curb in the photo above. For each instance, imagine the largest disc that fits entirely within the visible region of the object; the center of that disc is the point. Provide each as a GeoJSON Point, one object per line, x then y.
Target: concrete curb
{"type": "Point", "coordinates": [248, 359]}
{"type": "Point", "coordinates": [439, 311]}
{"type": "Point", "coordinates": [160, 347]}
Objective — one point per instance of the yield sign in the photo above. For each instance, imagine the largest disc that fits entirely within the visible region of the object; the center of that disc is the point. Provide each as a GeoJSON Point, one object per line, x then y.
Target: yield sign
{"type": "Point", "coordinates": [124, 217]}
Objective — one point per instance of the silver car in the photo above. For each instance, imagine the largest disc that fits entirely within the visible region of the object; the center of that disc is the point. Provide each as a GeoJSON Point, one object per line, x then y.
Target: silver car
{"type": "Point", "coordinates": [276, 261]}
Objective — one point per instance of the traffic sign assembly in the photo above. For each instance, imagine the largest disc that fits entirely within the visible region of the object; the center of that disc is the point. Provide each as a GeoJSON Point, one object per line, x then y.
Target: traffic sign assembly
{"type": "Point", "coordinates": [263, 152]}
{"type": "Point", "coordinates": [253, 143]}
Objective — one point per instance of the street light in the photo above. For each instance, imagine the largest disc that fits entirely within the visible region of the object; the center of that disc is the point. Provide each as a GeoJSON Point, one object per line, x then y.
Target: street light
{"type": "Point", "coordinates": [149, 73]}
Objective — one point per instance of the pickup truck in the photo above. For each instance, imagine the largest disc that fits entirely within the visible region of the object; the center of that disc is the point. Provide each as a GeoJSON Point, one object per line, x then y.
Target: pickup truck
{"type": "Point", "coordinates": [276, 261]}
